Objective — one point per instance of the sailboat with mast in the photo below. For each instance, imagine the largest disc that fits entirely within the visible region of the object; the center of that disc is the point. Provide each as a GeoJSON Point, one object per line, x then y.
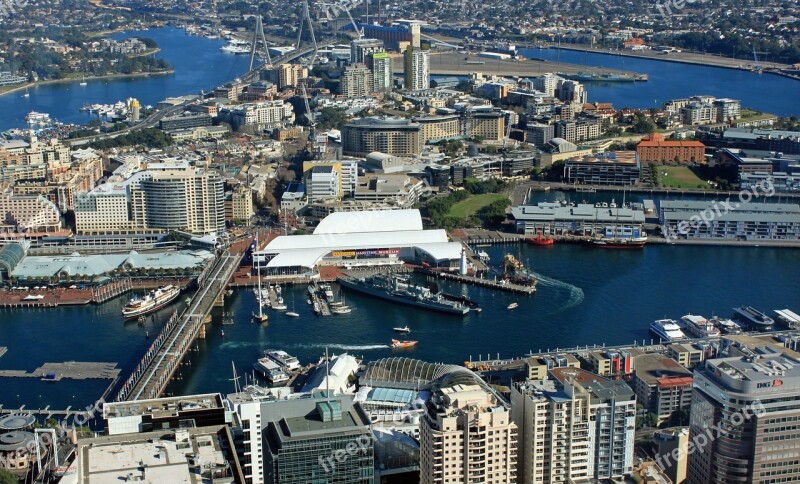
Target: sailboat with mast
{"type": "Point", "coordinates": [616, 237]}
{"type": "Point", "coordinates": [293, 313]}
{"type": "Point", "coordinates": [261, 317]}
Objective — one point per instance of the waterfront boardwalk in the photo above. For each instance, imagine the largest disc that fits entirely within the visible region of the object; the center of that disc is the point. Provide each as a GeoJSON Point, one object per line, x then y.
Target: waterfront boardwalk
{"type": "Point", "coordinates": [153, 374]}
{"type": "Point", "coordinates": [75, 370]}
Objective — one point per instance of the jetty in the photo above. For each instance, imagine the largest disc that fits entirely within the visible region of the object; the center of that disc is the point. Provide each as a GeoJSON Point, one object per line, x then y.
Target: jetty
{"type": "Point", "coordinates": [499, 285]}
{"type": "Point", "coordinates": [74, 370]}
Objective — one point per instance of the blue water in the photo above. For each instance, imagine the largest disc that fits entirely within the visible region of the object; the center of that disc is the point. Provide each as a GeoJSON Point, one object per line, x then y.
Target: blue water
{"type": "Point", "coordinates": [671, 80]}
{"type": "Point", "coordinates": [198, 63]}
{"type": "Point", "coordinates": [586, 296]}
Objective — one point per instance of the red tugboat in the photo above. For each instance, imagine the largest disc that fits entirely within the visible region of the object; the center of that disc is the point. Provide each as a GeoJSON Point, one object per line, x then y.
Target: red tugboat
{"type": "Point", "coordinates": [539, 240]}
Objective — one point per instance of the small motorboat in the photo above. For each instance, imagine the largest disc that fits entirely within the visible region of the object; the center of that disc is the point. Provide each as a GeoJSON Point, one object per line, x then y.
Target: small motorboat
{"type": "Point", "coordinates": [398, 344]}
{"type": "Point", "coordinates": [513, 306]}
{"type": "Point", "coordinates": [292, 314]}
{"type": "Point", "coordinates": [404, 329]}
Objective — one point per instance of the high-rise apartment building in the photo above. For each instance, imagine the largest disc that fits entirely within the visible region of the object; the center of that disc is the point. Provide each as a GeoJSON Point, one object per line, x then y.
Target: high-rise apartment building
{"type": "Point", "coordinates": [360, 50]}
{"type": "Point", "coordinates": [417, 69]}
{"type": "Point", "coordinates": [382, 71]}
{"type": "Point", "coordinates": [303, 440]}
{"type": "Point", "coordinates": [287, 75]}
{"type": "Point", "coordinates": [467, 436]}
{"type": "Point", "coordinates": [746, 414]}
{"type": "Point", "coordinates": [574, 426]}
{"type": "Point", "coordinates": [356, 81]}
{"type": "Point", "coordinates": [393, 136]}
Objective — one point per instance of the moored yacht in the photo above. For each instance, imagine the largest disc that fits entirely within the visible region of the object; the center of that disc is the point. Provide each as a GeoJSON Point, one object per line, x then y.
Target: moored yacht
{"type": "Point", "coordinates": [699, 326]}
{"type": "Point", "coordinates": [667, 330]}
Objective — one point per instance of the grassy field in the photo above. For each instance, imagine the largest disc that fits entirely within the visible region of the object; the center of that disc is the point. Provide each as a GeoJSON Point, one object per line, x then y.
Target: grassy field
{"type": "Point", "coordinates": [679, 177]}
{"type": "Point", "coordinates": [474, 203]}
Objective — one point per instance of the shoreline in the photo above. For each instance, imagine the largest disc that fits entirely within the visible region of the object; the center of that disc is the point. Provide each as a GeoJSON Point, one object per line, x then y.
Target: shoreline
{"type": "Point", "coordinates": [81, 79]}
{"type": "Point", "coordinates": [721, 62]}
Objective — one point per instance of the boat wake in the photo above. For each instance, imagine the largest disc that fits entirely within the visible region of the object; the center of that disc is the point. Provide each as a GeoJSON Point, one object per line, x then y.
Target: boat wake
{"type": "Point", "coordinates": [342, 347]}
{"type": "Point", "coordinates": [576, 295]}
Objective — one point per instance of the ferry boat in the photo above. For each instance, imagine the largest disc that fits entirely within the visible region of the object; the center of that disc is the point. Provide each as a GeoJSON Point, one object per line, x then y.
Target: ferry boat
{"type": "Point", "coordinates": [283, 359]}
{"type": "Point", "coordinates": [667, 330]}
{"type": "Point", "coordinates": [38, 119]}
{"type": "Point", "coordinates": [398, 344]}
{"type": "Point", "coordinates": [753, 319]}
{"type": "Point", "coordinates": [271, 371]}
{"type": "Point", "coordinates": [726, 326]}
{"type": "Point", "coordinates": [151, 302]}
{"type": "Point", "coordinates": [699, 326]}
{"type": "Point", "coordinates": [399, 289]}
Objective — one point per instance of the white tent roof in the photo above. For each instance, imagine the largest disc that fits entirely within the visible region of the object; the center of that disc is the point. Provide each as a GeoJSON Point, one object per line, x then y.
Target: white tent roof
{"type": "Point", "coordinates": [370, 221]}
{"type": "Point", "coordinates": [355, 240]}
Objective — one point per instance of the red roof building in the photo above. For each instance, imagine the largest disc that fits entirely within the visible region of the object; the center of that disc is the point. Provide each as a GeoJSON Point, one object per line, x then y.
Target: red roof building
{"type": "Point", "coordinates": [654, 148]}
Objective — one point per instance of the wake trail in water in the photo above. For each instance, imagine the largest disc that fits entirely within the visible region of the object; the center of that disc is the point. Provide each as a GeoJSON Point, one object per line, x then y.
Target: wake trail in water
{"type": "Point", "coordinates": [576, 295]}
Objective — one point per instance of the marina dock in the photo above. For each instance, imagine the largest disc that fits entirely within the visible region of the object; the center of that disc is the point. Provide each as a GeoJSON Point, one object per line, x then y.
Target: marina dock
{"type": "Point", "coordinates": [74, 370]}
{"type": "Point", "coordinates": [490, 283]}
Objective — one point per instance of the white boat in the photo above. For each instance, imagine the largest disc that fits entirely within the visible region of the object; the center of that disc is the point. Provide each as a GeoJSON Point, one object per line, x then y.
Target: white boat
{"type": "Point", "coordinates": [33, 297]}
{"type": "Point", "coordinates": [83, 81]}
{"type": "Point", "coordinates": [404, 329]}
{"type": "Point", "coordinates": [727, 326]}
{"type": "Point", "coordinates": [513, 306]}
{"type": "Point", "coordinates": [667, 330]}
{"type": "Point", "coordinates": [292, 314]}
{"type": "Point", "coordinates": [699, 326]}
{"type": "Point", "coordinates": [342, 309]}
{"type": "Point", "coordinates": [271, 371]}
{"type": "Point", "coordinates": [235, 49]}
{"type": "Point", "coordinates": [152, 301]}
{"type": "Point", "coordinates": [38, 119]}
{"type": "Point", "coordinates": [278, 289]}
{"type": "Point", "coordinates": [283, 359]}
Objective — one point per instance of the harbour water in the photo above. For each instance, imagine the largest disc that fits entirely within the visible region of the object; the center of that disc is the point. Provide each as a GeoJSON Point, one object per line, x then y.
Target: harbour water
{"type": "Point", "coordinates": [673, 80]}
{"type": "Point", "coordinates": [198, 62]}
{"type": "Point", "coordinates": [208, 67]}
{"type": "Point", "coordinates": [585, 296]}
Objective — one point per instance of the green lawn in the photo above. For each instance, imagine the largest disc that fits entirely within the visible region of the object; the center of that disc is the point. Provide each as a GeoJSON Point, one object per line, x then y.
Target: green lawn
{"type": "Point", "coordinates": [468, 207]}
{"type": "Point", "coordinates": [679, 177]}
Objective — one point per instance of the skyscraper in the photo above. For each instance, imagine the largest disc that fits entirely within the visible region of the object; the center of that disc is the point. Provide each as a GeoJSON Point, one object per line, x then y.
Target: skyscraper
{"type": "Point", "coordinates": [356, 81]}
{"type": "Point", "coordinates": [417, 69]}
{"type": "Point", "coordinates": [360, 49]}
{"type": "Point", "coordinates": [382, 71]}
{"type": "Point", "coordinates": [467, 433]}
{"type": "Point", "coordinates": [575, 426]}
{"type": "Point", "coordinates": [745, 419]}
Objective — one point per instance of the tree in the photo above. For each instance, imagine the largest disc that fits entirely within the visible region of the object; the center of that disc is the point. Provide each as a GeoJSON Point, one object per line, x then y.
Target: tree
{"type": "Point", "coordinates": [7, 478]}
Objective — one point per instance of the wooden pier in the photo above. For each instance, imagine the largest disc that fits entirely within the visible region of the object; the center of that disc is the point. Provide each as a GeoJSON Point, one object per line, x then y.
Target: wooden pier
{"type": "Point", "coordinates": [73, 370]}
{"type": "Point", "coordinates": [477, 281]}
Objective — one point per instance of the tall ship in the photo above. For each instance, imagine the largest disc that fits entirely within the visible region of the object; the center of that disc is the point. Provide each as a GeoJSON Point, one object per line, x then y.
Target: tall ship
{"type": "Point", "coordinates": [667, 330]}
{"type": "Point", "coordinates": [619, 237]}
{"type": "Point", "coordinates": [401, 290]}
{"type": "Point", "coordinates": [151, 302]}
{"type": "Point", "coordinates": [699, 326]}
{"type": "Point", "coordinates": [516, 273]}
{"type": "Point", "coordinates": [753, 319]}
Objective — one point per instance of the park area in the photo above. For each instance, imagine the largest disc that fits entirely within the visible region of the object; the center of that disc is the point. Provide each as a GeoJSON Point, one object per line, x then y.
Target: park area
{"type": "Point", "coordinates": [471, 205]}
{"type": "Point", "coordinates": [679, 177]}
